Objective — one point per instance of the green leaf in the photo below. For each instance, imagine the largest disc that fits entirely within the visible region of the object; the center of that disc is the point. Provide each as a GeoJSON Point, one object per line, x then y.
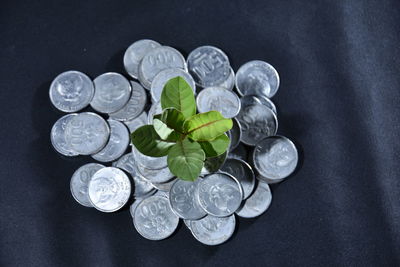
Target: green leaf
{"type": "Point", "coordinates": [186, 159]}
{"type": "Point", "coordinates": [206, 126]}
{"type": "Point", "coordinates": [147, 141]}
{"type": "Point", "coordinates": [215, 147]}
{"type": "Point", "coordinates": [178, 94]}
{"type": "Point", "coordinates": [172, 118]}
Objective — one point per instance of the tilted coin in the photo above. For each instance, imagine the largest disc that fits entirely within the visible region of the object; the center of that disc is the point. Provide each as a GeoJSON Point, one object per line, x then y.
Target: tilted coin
{"type": "Point", "coordinates": [154, 163]}
{"type": "Point", "coordinates": [164, 76]}
{"type": "Point", "coordinates": [275, 157]}
{"type": "Point", "coordinates": [257, 122]}
{"type": "Point", "coordinates": [71, 91]}
{"type": "Point", "coordinates": [164, 186]}
{"type": "Point", "coordinates": [87, 133]}
{"type": "Point", "coordinates": [57, 136]}
{"type": "Point", "coordinates": [209, 66]}
{"type": "Point", "coordinates": [154, 219]}
{"type": "Point", "coordinates": [213, 230]}
{"type": "Point", "coordinates": [135, 105]}
{"type": "Point", "coordinates": [229, 83]}
{"type": "Point", "coordinates": [80, 180]}
{"type": "Point", "coordinates": [249, 100]}
{"type": "Point", "coordinates": [219, 194]}
{"type": "Point", "coordinates": [234, 134]}
{"type": "Point", "coordinates": [242, 171]}
{"type": "Point", "coordinates": [117, 144]}
{"type": "Point", "coordinates": [109, 189]}
{"type": "Point", "coordinates": [257, 203]}
{"type": "Point", "coordinates": [136, 122]}
{"type": "Point", "coordinates": [219, 99]}
{"type": "Point", "coordinates": [135, 53]}
{"type": "Point", "coordinates": [154, 110]}
{"type": "Point", "coordinates": [267, 102]}
{"type": "Point", "coordinates": [240, 152]}
{"type": "Point", "coordinates": [184, 201]}
{"type": "Point", "coordinates": [213, 164]}
{"type": "Point", "coordinates": [112, 92]}
{"type": "Point", "coordinates": [162, 175]}
{"type": "Point", "coordinates": [257, 78]}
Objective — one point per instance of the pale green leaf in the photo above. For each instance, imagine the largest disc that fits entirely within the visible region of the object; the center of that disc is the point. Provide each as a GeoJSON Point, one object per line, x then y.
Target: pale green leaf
{"type": "Point", "coordinates": [178, 94]}
{"type": "Point", "coordinates": [215, 147]}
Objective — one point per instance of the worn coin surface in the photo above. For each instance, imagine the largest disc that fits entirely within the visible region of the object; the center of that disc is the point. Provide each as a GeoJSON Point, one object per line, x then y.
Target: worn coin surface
{"type": "Point", "coordinates": [257, 203]}
{"type": "Point", "coordinates": [71, 91]}
{"type": "Point", "coordinates": [257, 122]}
{"type": "Point", "coordinates": [275, 157]}
{"type": "Point", "coordinates": [87, 133]}
{"type": "Point", "coordinates": [135, 53]}
{"type": "Point", "coordinates": [162, 175]}
{"type": "Point", "coordinates": [154, 110]}
{"type": "Point", "coordinates": [257, 78]}
{"type": "Point", "coordinates": [137, 122]}
{"type": "Point", "coordinates": [219, 99]}
{"type": "Point", "coordinates": [57, 136]}
{"type": "Point", "coordinates": [154, 219]}
{"type": "Point", "coordinates": [219, 194]}
{"type": "Point", "coordinates": [213, 230]}
{"type": "Point", "coordinates": [109, 189]}
{"type": "Point", "coordinates": [184, 201]}
{"type": "Point", "coordinates": [242, 171]}
{"type": "Point", "coordinates": [135, 105]}
{"type": "Point", "coordinates": [112, 92]}
{"type": "Point", "coordinates": [154, 163]}
{"type": "Point", "coordinates": [234, 134]}
{"type": "Point", "coordinates": [230, 82]}
{"type": "Point", "coordinates": [80, 180]}
{"type": "Point", "coordinates": [117, 144]}
{"type": "Point", "coordinates": [209, 66]}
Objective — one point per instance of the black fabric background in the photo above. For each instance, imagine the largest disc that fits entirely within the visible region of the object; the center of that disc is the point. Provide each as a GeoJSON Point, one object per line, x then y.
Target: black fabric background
{"type": "Point", "coordinates": [339, 63]}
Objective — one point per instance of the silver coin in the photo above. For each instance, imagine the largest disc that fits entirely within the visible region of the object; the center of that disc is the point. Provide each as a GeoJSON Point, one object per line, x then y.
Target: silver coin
{"type": "Point", "coordinates": [219, 99]}
{"type": "Point", "coordinates": [135, 105]}
{"type": "Point", "coordinates": [234, 134]}
{"type": "Point", "coordinates": [275, 157]}
{"type": "Point", "coordinates": [117, 144]}
{"type": "Point", "coordinates": [213, 230]}
{"type": "Point", "coordinates": [257, 78]}
{"type": "Point", "coordinates": [257, 203]}
{"type": "Point", "coordinates": [242, 171]}
{"type": "Point", "coordinates": [209, 66]}
{"type": "Point", "coordinates": [240, 152]}
{"type": "Point", "coordinates": [57, 136]}
{"type": "Point", "coordinates": [154, 110]}
{"type": "Point", "coordinates": [230, 82]}
{"type": "Point", "coordinates": [153, 218]}
{"type": "Point", "coordinates": [159, 59]}
{"type": "Point", "coordinates": [257, 122]}
{"type": "Point", "coordinates": [268, 180]}
{"type": "Point", "coordinates": [184, 201]}
{"type": "Point", "coordinates": [219, 194]}
{"type": "Point", "coordinates": [71, 91]}
{"type": "Point", "coordinates": [87, 133]}
{"type": "Point", "coordinates": [162, 193]}
{"type": "Point", "coordinates": [163, 77]}
{"type": "Point", "coordinates": [109, 189]}
{"type": "Point", "coordinates": [135, 53]}
{"type": "Point", "coordinates": [133, 207]}
{"type": "Point", "coordinates": [164, 186]}
{"type": "Point", "coordinates": [187, 223]}
{"type": "Point", "coordinates": [162, 175]}
{"type": "Point", "coordinates": [213, 164]}
{"type": "Point", "coordinates": [112, 92]}
{"type": "Point", "coordinates": [142, 185]}
{"type": "Point", "coordinates": [80, 180]}
{"type": "Point", "coordinates": [148, 162]}
{"type": "Point", "coordinates": [268, 103]}
{"type": "Point", "coordinates": [136, 122]}
{"type": "Point", "coordinates": [248, 100]}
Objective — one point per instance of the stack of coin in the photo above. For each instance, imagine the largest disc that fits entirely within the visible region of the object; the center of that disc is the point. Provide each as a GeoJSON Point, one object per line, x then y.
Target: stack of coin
{"type": "Point", "coordinates": [234, 184]}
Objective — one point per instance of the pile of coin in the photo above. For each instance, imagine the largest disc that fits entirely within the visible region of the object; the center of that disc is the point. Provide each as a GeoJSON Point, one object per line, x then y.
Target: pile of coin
{"type": "Point", "coordinates": [234, 184]}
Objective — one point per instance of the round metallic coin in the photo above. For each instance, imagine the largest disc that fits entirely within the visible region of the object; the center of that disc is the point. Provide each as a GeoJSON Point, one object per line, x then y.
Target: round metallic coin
{"type": "Point", "coordinates": [57, 136]}
{"type": "Point", "coordinates": [164, 186]}
{"type": "Point", "coordinates": [71, 91]}
{"type": "Point", "coordinates": [268, 180]}
{"type": "Point", "coordinates": [275, 157]}
{"type": "Point", "coordinates": [117, 144]}
{"type": "Point", "coordinates": [257, 78]}
{"type": "Point", "coordinates": [112, 92]}
{"type": "Point", "coordinates": [80, 180]}
{"type": "Point", "coordinates": [154, 219]}
{"type": "Point", "coordinates": [257, 122]}
{"type": "Point", "coordinates": [159, 59]}
{"type": "Point", "coordinates": [135, 105]}
{"type": "Point", "coordinates": [213, 164]}
{"type": "Point", "coordinates": [109, 189]}
{"type": "Point", "coordinates": [184, 201]}
{"type": "Point", "coordinates": [133, 207]}
{"type": "Point", "coordinates": [249, 100]}
{"type": "Point", "coordinates": [87, 133]}
{"type": "Point", "coordinates": [219, 194]}
{"type": "Point", "coordinates": [162, 175]}
{"type": "Point", "coordinates": [137, 122]}
{"type": "Point", "coordinates": [135, 53]}
{"type": "Point", "coordinates": [268, 103]}
{"type": "Point", "coordinates": [154, 163]}
{"type": "Point", "coordinates": [209, 66]}
{"type": "Point", "coordinates": [230, 82]}
{"type": "Point", "coordinates": [257, 203]}
{"type": "Point", "coordinates": [234, 134]}
{"type": "Point", "coordinates": [163, 77]}
{"type": "Point", "coordinates": [242, 171]}
{"type": "Point", "coordinates": [219, 99]}
{"type": "Point", "coordinates": [239, 153]}
{"type": "Point", "coordinates": [154, 110]}
{"type": "Point", "coordinates": [213, 230]}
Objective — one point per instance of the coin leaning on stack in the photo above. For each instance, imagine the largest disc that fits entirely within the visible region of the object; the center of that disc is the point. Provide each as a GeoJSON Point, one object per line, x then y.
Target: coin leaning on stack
{"type": "Point", "coordinates": [234, 184]}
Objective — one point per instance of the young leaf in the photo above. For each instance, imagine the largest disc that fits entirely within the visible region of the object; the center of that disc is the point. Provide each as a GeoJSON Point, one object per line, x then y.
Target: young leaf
{"type": "Point", "coordinates": [206, 126]}
{"type": "Point", "coordinates": [147, 141]}
{"type": "Point", "coordinates": [186, 159]}
{"type": "Point", "coordinates": [178, 94]}
{"type": "Point", "coordinates": [215, 147]}
{"type": "Point", "coordinates": [172, 118]}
